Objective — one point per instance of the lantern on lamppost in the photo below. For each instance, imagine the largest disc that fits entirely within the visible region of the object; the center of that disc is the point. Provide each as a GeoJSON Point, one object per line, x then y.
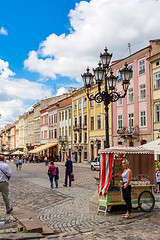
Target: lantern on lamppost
{"type": "Point", "coordinates": [104, 73]}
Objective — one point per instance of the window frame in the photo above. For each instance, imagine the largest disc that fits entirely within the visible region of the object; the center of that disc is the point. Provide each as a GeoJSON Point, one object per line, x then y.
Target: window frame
{"type": "Point", "coordinates": [143, 119]}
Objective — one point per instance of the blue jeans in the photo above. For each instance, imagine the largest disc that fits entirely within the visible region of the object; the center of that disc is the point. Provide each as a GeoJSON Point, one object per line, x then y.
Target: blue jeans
{"type": "Point", "coordinates": [66, 176]}
{"type": "Point", "coordinates": [51, 179]}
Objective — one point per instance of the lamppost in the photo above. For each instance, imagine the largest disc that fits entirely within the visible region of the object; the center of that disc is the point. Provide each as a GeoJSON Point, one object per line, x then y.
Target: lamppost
{"type": "Point", "coordinates": [101, 73]}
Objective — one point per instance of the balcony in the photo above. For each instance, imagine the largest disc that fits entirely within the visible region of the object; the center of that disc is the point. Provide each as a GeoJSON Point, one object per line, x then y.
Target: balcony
{"type": "Point", "coordinates": [84, 126]}
{"type": "Point", "coordinates": [77, 127]}
{"type": "Point", "coordinates": [130, 131]}
{"type": "Point", "coordinates": [63, 139]}
{"type": "Point", "coordinates": [141, 71]}
{"type": "Point", "coordinates": [122, 131]}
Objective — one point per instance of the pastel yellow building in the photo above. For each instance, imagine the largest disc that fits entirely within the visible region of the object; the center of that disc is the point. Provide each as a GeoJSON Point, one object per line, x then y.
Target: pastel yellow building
{"type": "Point", "coordinates": [155, 93]}
{"type": "Point", "coordinates": [96, 126]}
{"type": "Point", "coordinates": [88, 125]}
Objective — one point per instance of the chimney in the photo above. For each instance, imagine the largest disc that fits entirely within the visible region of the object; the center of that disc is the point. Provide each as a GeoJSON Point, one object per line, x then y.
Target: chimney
{"type": "Point", "coordinates": [155, 46]}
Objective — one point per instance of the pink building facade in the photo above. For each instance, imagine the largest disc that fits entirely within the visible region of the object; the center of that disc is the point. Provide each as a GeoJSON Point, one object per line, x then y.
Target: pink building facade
{"type": "Point", "coordinates": [132, 115]}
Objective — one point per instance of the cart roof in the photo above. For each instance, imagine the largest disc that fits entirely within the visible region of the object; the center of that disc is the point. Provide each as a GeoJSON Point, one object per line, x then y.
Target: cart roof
{"type": "Point", "coordinates": [124, 149]}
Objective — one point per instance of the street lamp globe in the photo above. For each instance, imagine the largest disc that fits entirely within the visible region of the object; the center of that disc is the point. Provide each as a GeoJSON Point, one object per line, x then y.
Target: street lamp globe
{"type": "Point", "coordinates": [87, 78]}
{"type": "Point", "coordinates": [106, 58]}
{"type": "Point", "coordinates": [126, 75]}
{"type": "Point", "coordinates": [99, 73]}
{"type": "Point", "coordinates": [111, 81]}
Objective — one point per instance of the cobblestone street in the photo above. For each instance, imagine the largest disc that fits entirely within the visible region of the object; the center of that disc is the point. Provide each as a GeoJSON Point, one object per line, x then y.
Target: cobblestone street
{"type": "Point", "coordinates": [66, 210]}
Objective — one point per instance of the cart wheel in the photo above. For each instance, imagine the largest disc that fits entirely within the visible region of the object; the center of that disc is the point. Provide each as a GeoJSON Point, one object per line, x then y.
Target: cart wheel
{"type": "Point", "coordinates": [134, 206]}
{"type": "Point", "coordinates": [109, 209]}
{"type": "Point", "coordinates": [146, 201]}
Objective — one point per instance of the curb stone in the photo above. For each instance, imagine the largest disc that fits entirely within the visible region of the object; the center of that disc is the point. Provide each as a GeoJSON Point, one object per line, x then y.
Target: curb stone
{"type": "Point", "coordinates": [21, 236]}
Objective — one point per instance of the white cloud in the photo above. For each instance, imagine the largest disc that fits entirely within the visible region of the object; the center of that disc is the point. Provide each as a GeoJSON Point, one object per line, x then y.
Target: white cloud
{"type": "Point", "coordinates": [61, 90]}
{"type": "Point", "coordinates": [3, 31]}
{"type": "Point", "coordinates": [16, 93]}
{"type": "Point", "coordinates": [94, 25]}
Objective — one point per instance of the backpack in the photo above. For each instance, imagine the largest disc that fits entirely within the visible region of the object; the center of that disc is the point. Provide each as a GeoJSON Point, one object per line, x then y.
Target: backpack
{"type": "Point", "coordinates": [49, 172]}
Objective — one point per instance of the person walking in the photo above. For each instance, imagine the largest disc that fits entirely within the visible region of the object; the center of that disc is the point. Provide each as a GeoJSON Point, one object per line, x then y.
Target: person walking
{"type": "Point", "coordinates": [56, 178]}
{"type": "Point", "coordinates": [126, 189]}
{"type": "Point", "coordinates": [69, 170]}
{"type": "Point", "coordinates": [16, 162]}
{"type": "Point", "coordinates": [5, 174]}
{"type": "Point", "coordinates": [51, 173]}
{"type": "Point", "coordinates": [20, 163]}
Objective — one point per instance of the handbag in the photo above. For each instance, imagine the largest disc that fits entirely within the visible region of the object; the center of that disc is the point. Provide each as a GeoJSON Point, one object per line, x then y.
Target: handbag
{"type": "Point", "coordinates": [72, 177]}
{"type": "Point", "coordinates": [49, 172]}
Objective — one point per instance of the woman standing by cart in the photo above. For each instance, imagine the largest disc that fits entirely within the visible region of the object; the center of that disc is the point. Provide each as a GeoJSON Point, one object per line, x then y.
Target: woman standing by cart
{"type": "Point", "coordinates": [126, 189]}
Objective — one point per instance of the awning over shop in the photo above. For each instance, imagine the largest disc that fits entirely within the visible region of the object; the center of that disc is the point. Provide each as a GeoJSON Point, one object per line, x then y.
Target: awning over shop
{"type": "Point", "coordinates": [43, 147]}
{"type": "Point", "coordinates": [124, 149]}
{"type": "Point", "coordinates": [154, 145]}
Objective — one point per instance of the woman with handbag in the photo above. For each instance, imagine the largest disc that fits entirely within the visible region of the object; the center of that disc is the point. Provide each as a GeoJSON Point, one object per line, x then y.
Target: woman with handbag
{"type": "Point", "coordinates": [51, 173]}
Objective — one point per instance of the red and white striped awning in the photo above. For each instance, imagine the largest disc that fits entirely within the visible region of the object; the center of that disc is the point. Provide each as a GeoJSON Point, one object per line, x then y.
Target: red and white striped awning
{"type": "Point", "coordinates": [124, 149]}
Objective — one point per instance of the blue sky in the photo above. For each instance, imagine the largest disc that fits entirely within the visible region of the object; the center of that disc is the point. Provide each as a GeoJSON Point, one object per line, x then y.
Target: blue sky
{"type": "Point", "coordinates": [45, 46]}
{"type": "Point", "coordinates": [28, 23]}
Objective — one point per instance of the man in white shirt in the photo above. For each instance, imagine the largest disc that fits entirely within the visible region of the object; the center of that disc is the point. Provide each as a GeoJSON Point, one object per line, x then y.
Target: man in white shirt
{"type": "Point", "coordinates": [5, 174]}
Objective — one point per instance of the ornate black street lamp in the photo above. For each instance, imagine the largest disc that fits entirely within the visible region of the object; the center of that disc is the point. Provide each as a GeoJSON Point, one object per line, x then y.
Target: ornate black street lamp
{"type": "Point", "coordinates": [109, 94]}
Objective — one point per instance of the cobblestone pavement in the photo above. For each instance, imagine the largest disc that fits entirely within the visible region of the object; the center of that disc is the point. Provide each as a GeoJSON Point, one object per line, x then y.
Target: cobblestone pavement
{"type": "Point", "coordinates": [66, 210]}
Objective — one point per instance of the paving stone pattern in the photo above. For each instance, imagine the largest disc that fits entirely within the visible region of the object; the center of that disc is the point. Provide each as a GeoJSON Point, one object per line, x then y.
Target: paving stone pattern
{"type": "Point", "coordinates": [66, 210]}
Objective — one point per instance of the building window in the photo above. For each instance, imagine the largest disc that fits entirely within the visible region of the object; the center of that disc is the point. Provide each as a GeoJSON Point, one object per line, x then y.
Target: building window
{"type": "Point", "coordinates": [80, 137]}
{"type": "Point", "coordinates": [62, 116]}
{"type": "Point", "coordinates": [142, 92]}
{"type": "Point", "coordinates": [131, 67]}
{"type": "Point", "coordinates": [130, 95]}
{"type": "Point", "coordinates": [85, 136]}
{"type": "Point", "coordinates": [80, 121]}
{"type": "Point", "coordinates": [69, 112]}
{"type": "Point", "coordinates": [92, 123]}
{"type": "Point", "coordinates": [158, 113]}
{"type": "Point", "coordinates": [141, 67]}
{"type": "Point", "coordinates": [119, 77]}
{"type": "Point", "coordinates": [66, 131]}
{"type": "Point", "coordinates": [69, 130]}
{"type": "Point", "coordinates": [55, 133]}
{"type": "Point", "coordinates": [62, 131]}
{"type": "Point", "coordinates": [85, 120]}
{"type": "Point", "coordinates": [45, 134]}
{"type": "Point", "coordinates": [80, 103]}
{"type": "Point", "coordinates": [99, 122]}
{"type": "Point", "coordinates": [119, 102]}
{"type": "Point", "coordinates": [49, 119]}
{"type": "Point", "coordinates": [157, 80]}
{"type": "Point", "coordinates": [52, 134]}
{"type": "Point", "coordinates": [66, 115]}
{"type": "Point", "coordinates": [55, 118]}
{"type": "Point", "coordinates": [75, 105]}
{"type": "Point", "coordinates": [120, 123]}
{"type": "Point", "coordinates": [85, 102]}
{"type": "Point", "coordinates": [157, 63]}
{"type": "Point", "coordinates": [75, 137]}
{"type": "Point", "coordinates": [92, 103]}
{"type": "Point", "coordinates": [130, 122]}
{"type": "Point", "coordinates": [59, 116]}
{"type": "Point", "coordinates": [143, 118]}
{"type": "Point", "coordinates": [85, 155]}
{"type": "Point", "coordinates": [75, 121]}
